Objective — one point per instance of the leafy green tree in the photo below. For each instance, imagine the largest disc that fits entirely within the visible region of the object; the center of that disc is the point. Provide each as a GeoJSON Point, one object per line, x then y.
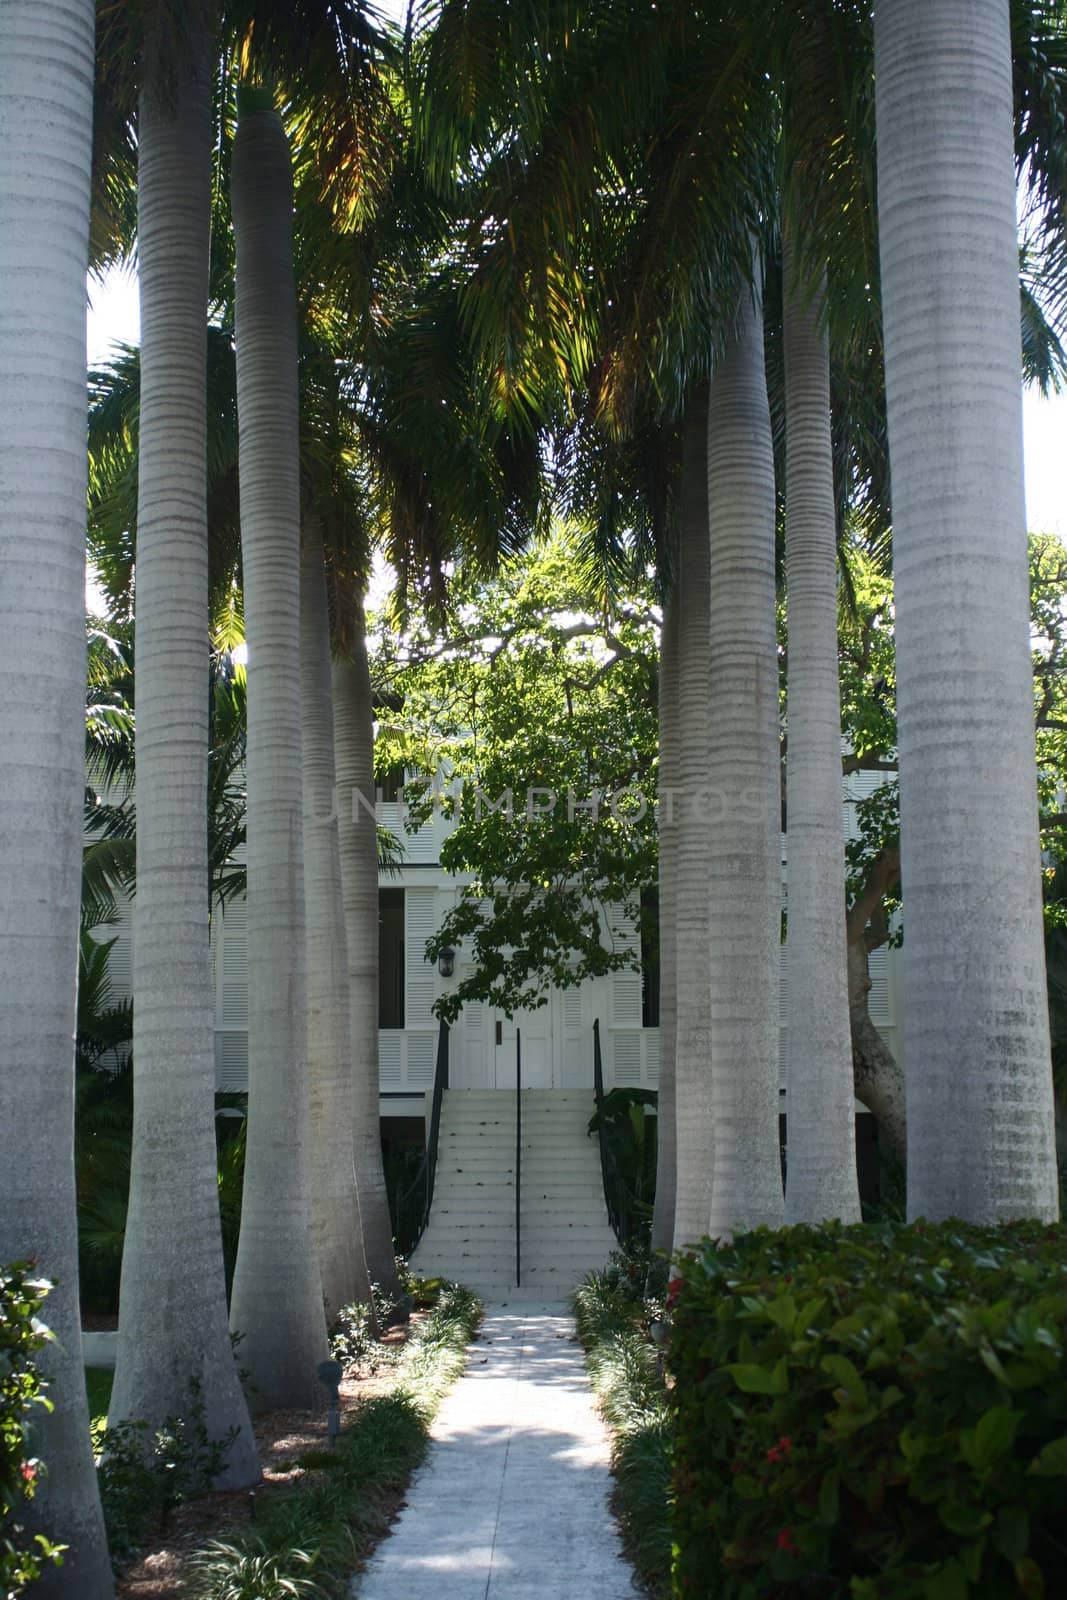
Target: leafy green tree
{"type": "Point", "coordinates": [530, 719]}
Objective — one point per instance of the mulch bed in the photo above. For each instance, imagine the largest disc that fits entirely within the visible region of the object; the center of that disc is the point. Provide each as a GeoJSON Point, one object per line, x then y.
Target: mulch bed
{"type": "Point", "coordinates": [159, 1572]}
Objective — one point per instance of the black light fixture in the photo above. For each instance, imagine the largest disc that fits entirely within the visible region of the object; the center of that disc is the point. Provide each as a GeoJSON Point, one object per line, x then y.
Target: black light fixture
{"type": "Point", "coordinates": [446, 961]}
{"type": "Point", "coordinates": [330, 1374]}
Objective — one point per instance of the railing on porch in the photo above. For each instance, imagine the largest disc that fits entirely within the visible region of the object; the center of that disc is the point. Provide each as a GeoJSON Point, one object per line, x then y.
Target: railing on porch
{"type": "Point", "coordinates": [424, 1177]}
{"type": "Point", "coordinates": [518, 1159]}
{"type": "Point", "coordinates": [608, 1174]}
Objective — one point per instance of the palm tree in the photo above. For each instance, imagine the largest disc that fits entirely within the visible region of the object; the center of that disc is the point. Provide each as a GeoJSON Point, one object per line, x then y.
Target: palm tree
{"type": "Point", "coordinates": [46, 92]}
{"type": "Point", "coordinates": [666, 1124]}
{"type": "Point", "coordinates": [631, 179]}
{"type": "Point", "coordinates": [694, 1129]}
{"type": "Point", "coordinates": [173, 1330]}
{"type": "Point", "coordinates": [745, 875]}
{"type": "Point", "coordinates": [339, 1233]}
{"type": "Point", "coordinates": [821, 1173]}
{"type": "Point", "coordinates": [976, 1045]}
{"type": "Point", "coordinates": [354, 736]}
{"type": "Point", "coordinates": [277, 1290]}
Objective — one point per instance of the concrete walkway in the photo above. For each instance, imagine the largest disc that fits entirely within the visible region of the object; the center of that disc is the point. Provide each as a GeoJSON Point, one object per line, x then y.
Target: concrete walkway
{"type": "Point", "coordinates": [513, 1501]}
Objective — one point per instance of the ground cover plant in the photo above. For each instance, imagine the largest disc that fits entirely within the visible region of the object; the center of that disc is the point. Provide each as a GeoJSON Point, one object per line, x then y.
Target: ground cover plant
{"type": "Point", "coordinates": [616, 1327]}
{"type": "Point", "coordinates": [876, 1412]}
{"type": "Point", "coordinates": [307, 1540]}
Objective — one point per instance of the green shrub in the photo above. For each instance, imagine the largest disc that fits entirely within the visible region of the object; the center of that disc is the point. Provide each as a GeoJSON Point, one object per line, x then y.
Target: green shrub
{"type": "Point", "coordinates": [143, 1473]}
{"type": "Point", "coordinates": [878, 1413]}
{"type": "Point", "coordinates": [626, 1373]}
{"type": "Point", "coordinates": [307, 1540]}
{"type": "Point", "coordinates": [354, 1338]}
{"type": "Point", "coordinates": [22, 1335]}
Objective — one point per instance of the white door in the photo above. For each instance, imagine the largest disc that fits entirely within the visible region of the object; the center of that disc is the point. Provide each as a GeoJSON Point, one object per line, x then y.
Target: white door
{"type": "Point", "coordinates": [535, 1028]}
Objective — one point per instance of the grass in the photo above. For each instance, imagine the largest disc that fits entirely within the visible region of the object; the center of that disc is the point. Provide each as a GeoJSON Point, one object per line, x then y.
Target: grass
{"type": "Point", "coordinates": [308, 1540]}
{"type": "Point", "coordinates": [627, 1377]}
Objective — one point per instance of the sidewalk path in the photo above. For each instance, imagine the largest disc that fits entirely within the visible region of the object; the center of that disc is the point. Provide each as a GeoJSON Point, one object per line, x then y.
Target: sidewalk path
{"type": "Point", "coordinates": [512, 1503]}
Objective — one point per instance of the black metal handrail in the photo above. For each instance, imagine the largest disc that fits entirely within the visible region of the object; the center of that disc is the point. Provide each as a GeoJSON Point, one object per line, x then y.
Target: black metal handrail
{"type": "Point", "coordinates": [607, 1165]}
{"type": "Point", "coordinates": [428, 1165]}
{"type": "Point", "coordinates": [518, 1159]}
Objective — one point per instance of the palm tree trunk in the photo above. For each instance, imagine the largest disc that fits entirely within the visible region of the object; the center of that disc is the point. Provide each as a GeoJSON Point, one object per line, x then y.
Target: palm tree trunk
{"type": "Point", "coordinates": [693, 1047]}
{"type": "Point", "coordinates": [277, 1292]}
{"type": "Point", "coordinates": [173, 1329]}
{"type": "Point", "coordinates": [821, 1124]}
{"type": "Point", "coordinates": [976, 1050]}
{"type": "Point", "coordinates": [745, 785]}
{"type": "Point", "coordinates": [335, 1201]}
{"type": "Point", "coordinates": [354, 724]}
{"type": "Point", "coordinates": [46, 115]}
{"type": "Point", "coordinates": [666, 1154]}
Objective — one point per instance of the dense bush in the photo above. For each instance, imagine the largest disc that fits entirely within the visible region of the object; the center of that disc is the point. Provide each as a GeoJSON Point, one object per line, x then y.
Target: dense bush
{"type": "Point", "coordinates": [625, 1368]}
{"type": "Point", "coordinates": [22, 1335]}
{"type": "Point", "coordinates": [306, 1540]}
{"type": "Point", "coordinates": [144, 1473]}
{"type": "Point", "coordinates": [872, 1412]}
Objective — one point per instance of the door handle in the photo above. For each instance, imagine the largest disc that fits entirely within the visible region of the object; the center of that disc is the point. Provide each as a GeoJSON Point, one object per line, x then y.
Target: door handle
{"type": "Point", "coordinates": [500, 1033]}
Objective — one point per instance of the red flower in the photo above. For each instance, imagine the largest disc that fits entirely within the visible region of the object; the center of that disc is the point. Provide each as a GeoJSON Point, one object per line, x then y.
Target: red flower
{"type": "Point", "coordinates": [787, 1543]}
{"type": "Point", "coordinates": [674, 1289]}
{"type": "Point", "coordinates": [29, 1471]}
{"type": "Point", "coordinates": [779, 1451]}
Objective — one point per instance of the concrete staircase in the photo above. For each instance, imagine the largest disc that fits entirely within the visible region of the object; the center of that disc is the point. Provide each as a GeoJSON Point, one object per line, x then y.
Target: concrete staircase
{"type": "Point", "coordinates": [471, 1232]}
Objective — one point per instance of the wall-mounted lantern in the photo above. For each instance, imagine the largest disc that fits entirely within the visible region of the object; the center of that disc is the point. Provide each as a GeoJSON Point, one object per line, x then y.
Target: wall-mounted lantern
{"type": "Point", "coordinates": [446, 961]}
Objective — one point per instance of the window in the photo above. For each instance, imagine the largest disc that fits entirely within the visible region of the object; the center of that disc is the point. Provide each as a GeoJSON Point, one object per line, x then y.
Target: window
{"type": "Point", "coordinates": [391, 787]}
{"type": "Point", "coordinates": [390, 958]}
{"type": "Point", "coordinates": [650, 958]}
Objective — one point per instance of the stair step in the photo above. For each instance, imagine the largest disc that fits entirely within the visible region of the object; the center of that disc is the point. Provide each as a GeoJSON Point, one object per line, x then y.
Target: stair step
{"type": "Point", "coordinates": [471, 1233]}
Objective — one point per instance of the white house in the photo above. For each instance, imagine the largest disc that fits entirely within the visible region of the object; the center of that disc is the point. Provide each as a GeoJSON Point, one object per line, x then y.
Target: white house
{"type": "Point", "coordinates": [475, 1233]}
{"type": "Point", "coordinates": [557, 1038]}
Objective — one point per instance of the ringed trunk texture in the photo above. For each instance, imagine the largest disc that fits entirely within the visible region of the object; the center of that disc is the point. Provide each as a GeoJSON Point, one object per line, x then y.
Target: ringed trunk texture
{"type": "Point", "coordinates": [666, 1125]}
{"type": "Point", "coordinates": [976, 1051]}
{"type": "Point", "coordinates": [357, 833]}
{"type": "Point", "coordinates": [174, 1339]}
{"type": "Point", "coordinates": [745, 874]}
{"type": "Point", "coordinates": [821, 1181]}
{"type": "Point", "coordinates": [693, 1047]}
{"type": "Point", "coordinates": [277, 1292]}
{"type": "Point", "coordinates": [46, 118]}
{"type": "Point", "coordinates": [335, 1202]}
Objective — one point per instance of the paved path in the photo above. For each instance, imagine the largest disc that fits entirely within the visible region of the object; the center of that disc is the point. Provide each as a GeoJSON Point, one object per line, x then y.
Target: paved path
{"type": "Point", "coordinates": [513, 1501]}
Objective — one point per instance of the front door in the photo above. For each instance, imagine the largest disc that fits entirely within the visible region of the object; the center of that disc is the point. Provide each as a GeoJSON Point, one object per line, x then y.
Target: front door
{"type": "Point", "coordinates": [535, 1028]}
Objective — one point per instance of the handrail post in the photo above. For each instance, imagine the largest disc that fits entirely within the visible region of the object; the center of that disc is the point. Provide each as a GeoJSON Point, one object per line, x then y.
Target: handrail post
{"type": "Point", "coordinates": [602, 1133]}
{"type": "Point", "coordinates": [428, 1166]}
{"type": "Point", "coordinates": [518, 1159]}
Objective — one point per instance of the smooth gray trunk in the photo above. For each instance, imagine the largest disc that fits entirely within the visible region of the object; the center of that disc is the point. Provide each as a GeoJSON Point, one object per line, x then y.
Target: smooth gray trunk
{"type": "Point", "coordinates": [745, 787]}
{"type": "Point", "coordinates": [693, 1047]}
{"type": "Point", "coordinates": [46, 113]}
{"type": "Point", "coordinates": [821, 1180]}
{"type": "Point", "coordinates": [277, 1292]}
{"type": "Point", "coordinates": [174, 1341]}
{"type": "Point", "coordinates": [979, 1085]}
{"type": "Point", "coordinates": [335, 1201]}
{"type": "Point", "coordinates": [354, 729]}
{"type": "Point", "coordinates": [666, 1134]}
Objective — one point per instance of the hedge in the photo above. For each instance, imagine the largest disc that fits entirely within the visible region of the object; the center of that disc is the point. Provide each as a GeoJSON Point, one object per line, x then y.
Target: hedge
{"type": "Point", "coordinates": [873, 1412]}
{"type": "Point", "coordinates": [22, 1335]}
